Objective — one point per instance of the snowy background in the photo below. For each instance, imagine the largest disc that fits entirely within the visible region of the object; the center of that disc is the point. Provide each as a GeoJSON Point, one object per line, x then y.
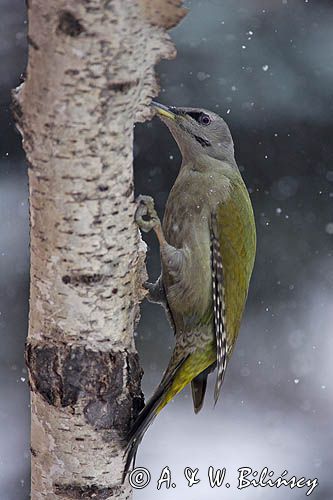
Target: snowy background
{"type": "Point", "coordinates": [267, 68]}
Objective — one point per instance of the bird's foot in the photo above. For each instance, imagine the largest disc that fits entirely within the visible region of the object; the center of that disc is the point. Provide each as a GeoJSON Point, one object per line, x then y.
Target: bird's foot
{"type": "Point", "coordinates": [146, 208]}
{"type": "Point", "coordinates": [156, 292]}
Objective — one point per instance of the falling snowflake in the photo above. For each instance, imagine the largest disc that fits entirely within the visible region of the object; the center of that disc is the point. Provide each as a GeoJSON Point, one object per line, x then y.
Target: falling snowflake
{"type": "Point", "coordinates": [329, 228]}
{"type": "Point", "coordinates": [202, 76]}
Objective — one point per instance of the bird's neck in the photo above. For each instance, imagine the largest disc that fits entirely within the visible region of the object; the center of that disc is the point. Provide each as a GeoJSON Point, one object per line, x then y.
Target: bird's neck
{"type": "Point", "coordinates": [206, 164]}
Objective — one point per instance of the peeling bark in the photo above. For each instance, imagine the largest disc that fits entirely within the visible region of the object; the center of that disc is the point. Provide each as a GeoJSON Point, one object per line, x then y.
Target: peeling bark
{"type": "Point", "coordinates": [90, 76]}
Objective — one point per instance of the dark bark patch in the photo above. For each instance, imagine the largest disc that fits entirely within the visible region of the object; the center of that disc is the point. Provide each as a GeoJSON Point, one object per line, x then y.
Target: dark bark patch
{"type": "Point", "coordinates": [65, 375]}
{"type": "Point", "coordinates": [76, 491]}
{"type": "Point", "coordinates": [46, 381]}
{"type": "Point", "coordinates": [69, 24]}
{"type": "Point", "coordinates": [134, 376]}
{"type": "Point", "coordinates": [106, 414]}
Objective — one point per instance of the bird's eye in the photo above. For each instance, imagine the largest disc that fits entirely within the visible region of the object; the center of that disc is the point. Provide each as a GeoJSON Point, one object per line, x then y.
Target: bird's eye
{"type": "Point", "coordinates": [204, 119]}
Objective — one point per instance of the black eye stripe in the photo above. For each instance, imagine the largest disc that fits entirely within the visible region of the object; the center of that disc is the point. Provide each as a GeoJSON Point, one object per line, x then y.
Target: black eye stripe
{"type": "Point", "coordinates": [194, 114]}
{"type": "Point", "coordinates": [203, 142]}
{"type": "Point", "coordinates": [200, 117]}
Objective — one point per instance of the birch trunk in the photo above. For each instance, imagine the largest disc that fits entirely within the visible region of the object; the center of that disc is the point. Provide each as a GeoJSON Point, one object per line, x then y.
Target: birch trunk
{"type": "Point", "coordinates": [90, 76]}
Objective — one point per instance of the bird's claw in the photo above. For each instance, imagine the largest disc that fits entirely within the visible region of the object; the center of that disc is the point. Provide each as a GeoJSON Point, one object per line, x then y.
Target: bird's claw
{"type": "Point", "coordinates": [146, 208]}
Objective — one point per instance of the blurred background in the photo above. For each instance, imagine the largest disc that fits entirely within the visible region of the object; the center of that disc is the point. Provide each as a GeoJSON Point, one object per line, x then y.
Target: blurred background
{"type": "Point", "coordinates": [267, 68]}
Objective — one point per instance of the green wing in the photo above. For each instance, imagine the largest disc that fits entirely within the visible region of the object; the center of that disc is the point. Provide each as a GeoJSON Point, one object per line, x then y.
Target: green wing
{"type": "Point", "coordinates": [237, 241]}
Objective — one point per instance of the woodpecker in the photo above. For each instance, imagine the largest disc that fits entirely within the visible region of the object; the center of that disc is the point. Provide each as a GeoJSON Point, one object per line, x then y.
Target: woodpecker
{"type": "Point", "coordinates": [207, 249]}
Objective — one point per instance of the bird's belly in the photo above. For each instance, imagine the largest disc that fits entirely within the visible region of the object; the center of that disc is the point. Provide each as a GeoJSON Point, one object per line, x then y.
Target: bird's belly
{"type": "Point", "coordinates": [189, 294]}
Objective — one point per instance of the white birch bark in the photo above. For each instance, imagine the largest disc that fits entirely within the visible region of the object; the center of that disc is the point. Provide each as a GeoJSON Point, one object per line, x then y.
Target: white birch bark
{"type": "Point", "coordinates": [90, 76]}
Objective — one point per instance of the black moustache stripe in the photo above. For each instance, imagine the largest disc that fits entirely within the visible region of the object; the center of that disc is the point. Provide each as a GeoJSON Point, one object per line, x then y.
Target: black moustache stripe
{"type": "Point", "coordinates": [204, 143]}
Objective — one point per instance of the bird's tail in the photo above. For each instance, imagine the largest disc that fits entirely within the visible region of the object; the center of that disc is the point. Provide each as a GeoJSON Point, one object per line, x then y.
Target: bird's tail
{"type": "Point", "coordinates": [199, 385]}
{"type": "Point", "coordinates": [177, 376]}
{"type": "Point", "coordinates": [155, 404]}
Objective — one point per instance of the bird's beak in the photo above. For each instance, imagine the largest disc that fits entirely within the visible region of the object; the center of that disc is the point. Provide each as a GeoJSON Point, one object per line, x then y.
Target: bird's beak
{"type": "Point", "coordinates": [165, 111]}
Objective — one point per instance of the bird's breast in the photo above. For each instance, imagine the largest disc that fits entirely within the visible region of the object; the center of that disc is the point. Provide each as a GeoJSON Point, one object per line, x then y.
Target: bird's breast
{"type": "Point", "coordinates": [186, 226]}
{"type": "Point", "coordinates": [189, 293]}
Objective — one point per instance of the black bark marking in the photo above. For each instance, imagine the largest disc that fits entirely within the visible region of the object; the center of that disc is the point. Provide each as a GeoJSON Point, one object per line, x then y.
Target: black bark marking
{"type": "Point", "coordinates": [129, 190]}
{"type": "Point", "coordinates": [72, 72]}
{"type": "Point", "coordinates": [76, 491]}
{"type": "Point", "coordinates": [82, 279]}
{"type": "Point", "coordinates": [124, 86]}
{"type": "Point", "coordinates": [69, 25]}
{"type": "Point", "coordinates": [66, 375]}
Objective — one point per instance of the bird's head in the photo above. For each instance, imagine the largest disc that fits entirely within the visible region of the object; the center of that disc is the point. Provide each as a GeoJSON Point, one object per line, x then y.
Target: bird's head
{"type": "Point", "coordinates": [198, 132]}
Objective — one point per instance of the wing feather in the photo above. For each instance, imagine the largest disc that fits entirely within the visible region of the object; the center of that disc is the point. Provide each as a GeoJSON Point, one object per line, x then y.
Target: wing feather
{"type": "Point", "coordinates": [219, 308]}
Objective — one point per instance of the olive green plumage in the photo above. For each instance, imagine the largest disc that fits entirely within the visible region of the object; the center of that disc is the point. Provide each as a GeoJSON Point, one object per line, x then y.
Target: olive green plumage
{"type": "Point", "coordinates": [207, 245]}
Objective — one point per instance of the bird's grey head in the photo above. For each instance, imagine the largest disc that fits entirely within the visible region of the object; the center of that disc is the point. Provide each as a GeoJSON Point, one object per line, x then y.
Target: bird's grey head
{"type": "Point", "coordinates": [198, 132]}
